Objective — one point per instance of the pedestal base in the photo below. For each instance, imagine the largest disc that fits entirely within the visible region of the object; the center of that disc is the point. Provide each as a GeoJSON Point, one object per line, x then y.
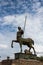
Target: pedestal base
{"type": "Point", "coordinates": [24, 56]}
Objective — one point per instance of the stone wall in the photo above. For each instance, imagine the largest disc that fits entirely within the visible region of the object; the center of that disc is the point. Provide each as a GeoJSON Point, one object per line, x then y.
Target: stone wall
{"type": "Point", "coordinates": [0, 63]}
{"type": "Point", "coordinates": [26, 62]}
{"type": "Point", "coordinates": [7, 62]}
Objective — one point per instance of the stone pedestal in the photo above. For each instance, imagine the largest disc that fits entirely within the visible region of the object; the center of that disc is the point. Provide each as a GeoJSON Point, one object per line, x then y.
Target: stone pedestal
{"type": "Point", "coordinates": [24, 56]}
{"type": "Point", "coordinates": [26, 62]}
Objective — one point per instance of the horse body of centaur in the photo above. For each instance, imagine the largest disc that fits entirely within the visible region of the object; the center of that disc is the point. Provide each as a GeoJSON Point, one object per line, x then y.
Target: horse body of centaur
{"type": "Point", "coordinates": [25, 41]}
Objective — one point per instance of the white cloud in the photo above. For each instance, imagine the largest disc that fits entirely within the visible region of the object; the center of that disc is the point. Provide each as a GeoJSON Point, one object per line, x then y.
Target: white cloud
{"type": "Point", "coordinates": [3, 46]}
{"type": "Point", "coordinates": [8, 19]}
{"type": "Point", "coordinates": [39, 49]}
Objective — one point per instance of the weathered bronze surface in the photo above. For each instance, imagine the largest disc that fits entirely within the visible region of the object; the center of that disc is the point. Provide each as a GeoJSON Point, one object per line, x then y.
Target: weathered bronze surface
{"type": "Point", "coordinates": [23, 41]}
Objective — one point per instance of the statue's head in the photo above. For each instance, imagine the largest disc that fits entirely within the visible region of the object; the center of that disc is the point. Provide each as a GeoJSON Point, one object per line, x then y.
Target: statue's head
{"type": "Point", "coordinates": [19, 28]}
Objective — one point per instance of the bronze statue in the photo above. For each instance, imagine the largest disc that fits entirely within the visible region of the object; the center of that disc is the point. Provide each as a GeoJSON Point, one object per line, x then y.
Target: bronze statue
{"type": "Point", "coordinates": [23, 41]}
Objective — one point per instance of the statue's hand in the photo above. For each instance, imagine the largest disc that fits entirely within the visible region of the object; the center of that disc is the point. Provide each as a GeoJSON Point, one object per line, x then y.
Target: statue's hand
{"type": "Point", "coordinates": [12, 45]}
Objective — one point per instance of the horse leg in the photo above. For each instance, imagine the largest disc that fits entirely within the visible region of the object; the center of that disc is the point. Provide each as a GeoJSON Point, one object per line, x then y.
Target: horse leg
{"type": "Point", "coordinates": [20, 46]}
{"type": "Point", "coordinates": [29, 49]}
{"type": "Point", "coordinates": [12, 42]}
{"type": "Point", "coordinates": [34, 50]}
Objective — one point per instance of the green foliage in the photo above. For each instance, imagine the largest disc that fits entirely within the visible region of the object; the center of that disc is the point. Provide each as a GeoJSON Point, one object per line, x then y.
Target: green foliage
{"type": "Point", "coordinates": [40, 58]}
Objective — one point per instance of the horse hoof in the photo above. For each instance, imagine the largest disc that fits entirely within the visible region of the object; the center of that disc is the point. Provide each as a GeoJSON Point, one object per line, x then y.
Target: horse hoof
{"type": "Point", "coordinates": [11, 46]}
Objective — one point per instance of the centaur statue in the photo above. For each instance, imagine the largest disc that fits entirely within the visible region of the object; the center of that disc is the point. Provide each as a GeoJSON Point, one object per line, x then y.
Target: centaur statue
{"type": "Point", "coordinates": [22, 41]}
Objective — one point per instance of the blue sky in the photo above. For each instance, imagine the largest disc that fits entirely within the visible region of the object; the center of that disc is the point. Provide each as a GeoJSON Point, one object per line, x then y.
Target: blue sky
{"type": "Point", "coordinates": [12, 15]}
